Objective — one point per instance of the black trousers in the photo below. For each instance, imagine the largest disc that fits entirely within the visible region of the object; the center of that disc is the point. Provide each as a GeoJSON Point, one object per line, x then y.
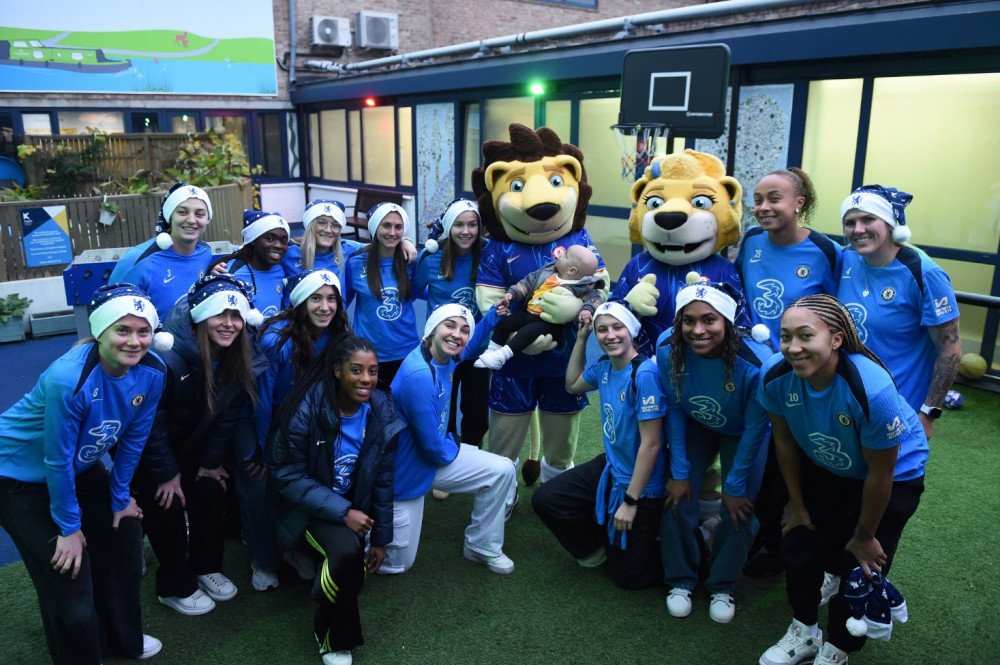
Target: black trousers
{"type": "Point", "coordinates": [474, 385]}
{"type": "Point", "coordinates": [98, 613]}
{"type": "Point", "coordinates": [566, 505]}
{"type": "Point", "coordinates": [834, 504]}
{"type": "Point", "coordinates": [183, 548]}
{"type": "Point", "coordinates": [337, 622]}
{"type": "Point", "coordinates": [528, 327]}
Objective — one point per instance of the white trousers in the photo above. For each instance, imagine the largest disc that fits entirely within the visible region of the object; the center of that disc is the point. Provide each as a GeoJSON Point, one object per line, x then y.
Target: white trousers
{"type": "Point", "coordinates": [493, 482]}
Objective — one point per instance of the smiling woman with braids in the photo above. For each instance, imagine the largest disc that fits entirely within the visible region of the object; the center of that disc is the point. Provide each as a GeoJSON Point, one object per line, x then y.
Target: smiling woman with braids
{"type": "Point", "coordinates": [852, 453]}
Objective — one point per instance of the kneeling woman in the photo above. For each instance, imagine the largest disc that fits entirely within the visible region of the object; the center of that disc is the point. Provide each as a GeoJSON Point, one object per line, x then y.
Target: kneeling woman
{"type": "Point", "coordinates": [852, 453]}
{"type": "Point", "coordinates": [74, 524]}
{"type": "Point", "coordinates": [330, 454]}
{"type": "Point", "coordinates": [181, 474]}
{"type": "Point", "coordinates": [710, 372]}
{"type": "Point", "coordinates": [430, 458]}
{"type": "Point", "coordinates": [609, 508]}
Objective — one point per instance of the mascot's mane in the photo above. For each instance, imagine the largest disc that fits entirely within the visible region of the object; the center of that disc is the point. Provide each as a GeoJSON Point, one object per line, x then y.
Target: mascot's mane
{"type": "Point", "coordinates": [525, 145]}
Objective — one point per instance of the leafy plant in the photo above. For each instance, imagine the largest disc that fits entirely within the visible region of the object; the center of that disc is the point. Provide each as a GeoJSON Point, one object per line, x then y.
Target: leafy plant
{"type": "Point", "coordinates": [69, 168]}
{"type": "Point", "coordinates": [137, 183]}
{"type": "Point", "coordinates": [208, 160]}
{"type": "Point", "coordinates": [13, 305]}
{"type": "Point", "coordinates": [18, 193]}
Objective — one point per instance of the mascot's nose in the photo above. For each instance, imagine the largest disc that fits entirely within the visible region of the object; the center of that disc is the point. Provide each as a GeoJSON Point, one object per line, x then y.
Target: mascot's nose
{"type": "Point", "coordinates": [670, 220]}
{"type": "Point", "coordinates": [543, 211]}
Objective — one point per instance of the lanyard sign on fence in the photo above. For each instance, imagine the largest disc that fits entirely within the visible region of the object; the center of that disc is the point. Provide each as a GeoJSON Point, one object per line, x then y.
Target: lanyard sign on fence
{"type": "Point", "coordinates": [46, 236]}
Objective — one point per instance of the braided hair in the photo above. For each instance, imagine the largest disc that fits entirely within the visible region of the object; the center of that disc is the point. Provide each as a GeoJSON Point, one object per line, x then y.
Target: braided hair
{"type": "Point", "coordinates": [832, 312]}
{"type": "Point", "coordinates": [679, 346]}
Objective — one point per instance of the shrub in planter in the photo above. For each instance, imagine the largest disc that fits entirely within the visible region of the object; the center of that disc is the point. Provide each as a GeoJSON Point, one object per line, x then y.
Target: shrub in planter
{"type": "Point", "coordinates": [14, 306]}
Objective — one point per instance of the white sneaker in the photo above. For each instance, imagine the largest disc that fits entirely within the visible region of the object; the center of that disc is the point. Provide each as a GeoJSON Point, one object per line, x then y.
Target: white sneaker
{"type": "Point", "coordinates": [195, 604]}
{"type": "Point", "coordinates": [337, 658]}
{"type": "Point", "coordinates": [150, 647]}
{"type": "Point", "coordinates": [500, 564]}
{"type": "Point", "coordinates": [440, 495]}
{"type": "Point", "coordinates": [797, 646]}
{"type": "Point", "coordinates": [594, 559]}
{"type": "Point", "coordinates": [830, 655]}
{"type": "Point", "coordinates": [494, 359]}
{"type": "Point", "coordinates": [217, 586]}
{"type": "Point", "coordinates": [722, 609]}
{"type": "Point", "coordinates": [304, 565]}
{"type": "Point", "coordinates": [679, 602]}
{"type": "Point", "coordinates": [263, 580]}
{"type": "Point", "coordinates": [831, 585]}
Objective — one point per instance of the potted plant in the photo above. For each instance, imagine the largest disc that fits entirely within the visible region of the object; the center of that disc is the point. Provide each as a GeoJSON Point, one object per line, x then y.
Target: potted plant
{"type": "Point", "coordinates": [109, 212]}
{"type": "Point", "coordinates": [12, 309]}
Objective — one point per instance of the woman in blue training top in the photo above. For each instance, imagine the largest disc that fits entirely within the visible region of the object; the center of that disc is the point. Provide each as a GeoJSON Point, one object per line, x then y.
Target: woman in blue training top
{"type": "Point", "coordinates": [181, 481]}
{"type": "Point", "coordinates": [449, 276]}
{"type": "Point", "coordinates": [902, 302]}
{"type": "Point", "coordinates": [258, 261]}
{"type": "Point", "coordinates": [74, 524]}
{"type": "Point", "coordinates": [609, 508]}
{"type": "Point", "coordinates": [167, 265]}
{"type": "Point", "coordinates": [430, 458]}
{"type": "Point", "coordinates": [330, 455]}
{"type": "Point", "coordinates": [710, 372]}
{"type": "Point", "coordinates": [322, 246]}
{"type": "Point", "coordinates": [852, 453]}
{"type": "Point", "coordinates": [382, 282]}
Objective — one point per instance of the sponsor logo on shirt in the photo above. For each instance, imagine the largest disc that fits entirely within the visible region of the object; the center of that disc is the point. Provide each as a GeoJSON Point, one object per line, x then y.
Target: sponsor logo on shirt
{"type": "Point", "coordinates": [756, 256]}
{"type": "Point", "coordinates": [169, 278]}
{"type": "Point", "coordinates": [847, 274]}
{"type": "Point", "coordinates": [106, 434]}
{"type": "Point", "coordinates": [895, 428]}
{"type": "Point", "coordinates": [513, 258]}
{"type": "Point", "coordinates": [942, 306]}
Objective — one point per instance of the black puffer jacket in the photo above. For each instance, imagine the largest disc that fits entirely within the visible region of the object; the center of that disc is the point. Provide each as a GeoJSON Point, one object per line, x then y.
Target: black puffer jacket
{"type": "Point", "coordinates": [302, 467]}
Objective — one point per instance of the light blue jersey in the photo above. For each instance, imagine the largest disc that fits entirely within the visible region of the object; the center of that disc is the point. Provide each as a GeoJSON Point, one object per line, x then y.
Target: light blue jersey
{"type": "Point", "coordinates": [428, 282]}
{"type": "Point", "coordinates": [893, 307]}
{"type": "Point", "coordinates": [266, 286]}
{"type": "Point", "coordinates": [347, 447]}
{"type": "Point", "coordinates": [292, 263]}
{"type": "Point", "coordinates": [726, 405]}
{"type": "Point", "coordinates": [162, 273]}
{"type": "Point", "coordinates": [73, 416]}
{"type": "Point", "coordinates": [859, 409]}
{"type": "Point", "coordinates": [775, 275]}
{"type": "Point", "coordinates": [389, 323]}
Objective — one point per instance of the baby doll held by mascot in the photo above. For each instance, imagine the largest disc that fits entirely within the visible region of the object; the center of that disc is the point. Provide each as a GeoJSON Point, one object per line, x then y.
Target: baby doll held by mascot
{"type": "Point", "coordinates": [533, 194]}
{"type": "Point", "coordinates": [685, 209]}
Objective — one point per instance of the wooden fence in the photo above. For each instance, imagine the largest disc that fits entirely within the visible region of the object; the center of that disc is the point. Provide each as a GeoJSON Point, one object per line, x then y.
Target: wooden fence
{"type": "Point", "coordinates": [122, 156]}
{"type": "Point", "coordinates": [136, 225]}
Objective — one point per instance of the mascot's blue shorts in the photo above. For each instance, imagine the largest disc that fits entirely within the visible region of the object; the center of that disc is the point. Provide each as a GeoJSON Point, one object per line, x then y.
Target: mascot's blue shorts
{"type": "Point", "coordinates": [514, 395]}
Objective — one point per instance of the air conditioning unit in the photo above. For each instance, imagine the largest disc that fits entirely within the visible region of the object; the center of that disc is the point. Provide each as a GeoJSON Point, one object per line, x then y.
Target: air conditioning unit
{"type": "Point", "coordinates": [377, 30]}
{"type": "Point", "coordinates": [330, 31]}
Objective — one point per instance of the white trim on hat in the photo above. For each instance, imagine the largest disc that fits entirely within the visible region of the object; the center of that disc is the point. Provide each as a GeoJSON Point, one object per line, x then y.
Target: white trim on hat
{"type": "Point", "coordinates": [182, 194]}
{"type": "Point", "coordinates": [722, 302]}
{"type": "Point", "coordinates": [259, 227]}
{"type": "Point", "coordinates": [115, 308]}
{"type": "Point", "coordinates": [446, 312]}
{"type": "Point", "coordinates": [452, 213]}
{"type": "Point", "coordinates": [879, 206]}
{"type": "Point", "coordinates": [381, 211]}
{"type": "Point", "coordinates": [312, 283]}
{"type": "Point", "coordinates": [219, 302]}
{"type": "Point", "coordinates": [620, 312]}
{"type": "Point", "coordinates": [316, 210]}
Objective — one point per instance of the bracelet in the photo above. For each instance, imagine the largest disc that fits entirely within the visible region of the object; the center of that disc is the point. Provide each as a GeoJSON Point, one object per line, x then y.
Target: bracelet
{"type": "Point", "coordinates": [631, 500]}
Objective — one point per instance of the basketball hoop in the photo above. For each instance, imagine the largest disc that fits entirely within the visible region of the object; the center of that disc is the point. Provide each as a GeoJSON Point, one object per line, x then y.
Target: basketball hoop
{"type": "Point", "coordinates": [636, 145]}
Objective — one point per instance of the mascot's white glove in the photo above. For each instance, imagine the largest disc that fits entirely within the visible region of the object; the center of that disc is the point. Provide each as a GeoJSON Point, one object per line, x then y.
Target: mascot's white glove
{"type": "Point", "coordinates": [559, 306]}
{"type": "Point", "coordinates": [642, 297]}
{"type": "Point", "coordinates": [541, 344]}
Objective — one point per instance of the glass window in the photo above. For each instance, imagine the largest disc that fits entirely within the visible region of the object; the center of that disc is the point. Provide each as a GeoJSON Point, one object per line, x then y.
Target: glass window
{"type": "Point", "coordinates": [378, 125]}
{"type": "Point", "coordinates": [405, 125]}
{"type": "Point", "coordinates": [829, 145]}
{"type": "Point", "coordinates": [602, 156]}
{"type": "Point", "coordinates": [82, 122]}
{"type": "Point", "coordinates": [498, 114]}
{"type": "Point", "coordinates": [975, 278]}
{"type": "Point", "coordinates": [36, 123]}
{"type": "Point", "coordinates": [145, 123]}
{"type": "Point", "coordinates": [473, 142]}
{"type": "Point", "coordinates": [333, 132]}
{"type": "Point", "coordinates": [228, 124]}
{"type": "Point", "coordinates": [183, 124]}
{"type": "Point", "coordinates": [916, 119]}
{"type": "Point", "coordinates": [314, 153]}
{"type": "Point", "coordinates": [7, 147]}
{"type": "Point", "coordinates": [270, 143]}
{"type": "Point", "coordinates": [354, 124]}
{"type": "Point", "coordinates": [558, 117]}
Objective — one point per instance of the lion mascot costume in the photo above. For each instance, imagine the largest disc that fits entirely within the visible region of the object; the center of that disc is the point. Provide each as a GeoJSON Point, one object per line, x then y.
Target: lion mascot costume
{"type": "Point", "coordinates": [685, 209]}
{"type": "Point", "coordinates": [533, 194]}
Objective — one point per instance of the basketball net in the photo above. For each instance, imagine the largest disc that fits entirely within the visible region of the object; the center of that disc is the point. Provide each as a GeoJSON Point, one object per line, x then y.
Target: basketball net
{"type": "Point", "coordinates": [637, 145]}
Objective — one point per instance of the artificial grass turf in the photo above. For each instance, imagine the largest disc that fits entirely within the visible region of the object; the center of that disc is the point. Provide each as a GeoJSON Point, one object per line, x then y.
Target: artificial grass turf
{"type": "Point", "coordinates": [449, 610]}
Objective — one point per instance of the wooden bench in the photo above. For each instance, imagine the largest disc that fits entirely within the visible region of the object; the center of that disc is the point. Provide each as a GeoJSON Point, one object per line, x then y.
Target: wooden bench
{"type": "Point", "coordinates": [357, 215]}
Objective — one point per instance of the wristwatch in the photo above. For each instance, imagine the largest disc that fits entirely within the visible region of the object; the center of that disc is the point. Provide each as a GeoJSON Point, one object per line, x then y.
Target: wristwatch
{"type": "Point", "coordinates": [932, 412]}
{"type": "Point", "coordinates": [631, 500]}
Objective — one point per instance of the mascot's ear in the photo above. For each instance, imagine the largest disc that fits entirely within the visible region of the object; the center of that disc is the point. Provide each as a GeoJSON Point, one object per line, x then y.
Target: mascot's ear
{"type": "Point", "coordinates": [735, 191]}
{"type": "Point", "coordinates": [494, 172]}
{"type": "Point", "coordinates": [571, 164]}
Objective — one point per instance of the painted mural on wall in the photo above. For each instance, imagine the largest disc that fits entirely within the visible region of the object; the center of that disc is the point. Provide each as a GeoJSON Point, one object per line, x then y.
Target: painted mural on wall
{"type": "Point", "coordinates": [435, 162]}
{"type": "Point", "coordinates": [121, 47]}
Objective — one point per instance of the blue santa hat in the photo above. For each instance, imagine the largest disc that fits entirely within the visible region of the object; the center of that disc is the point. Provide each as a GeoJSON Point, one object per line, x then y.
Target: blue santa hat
{"type": "Point", "coordinates": [886, 203]}
{"type": "Point", "coordinates": [446, 312]}
{"type": "Point", "coordinates": [177, 195]}
{"type": "Point", "coordinates": [874, 604]}
{"type": "Point", "coordinates": [324, 208]}
{"type": "Point", "coordinates": [378, 213]}
{"type": "Point", "coordinates": [257, 222]}
{"type": "Point", "coordinates": [441, 228]}
{"type": "Point", "coordinates": [213, 294]}
{"type": "Point", "coordinates": [114, 301]}
{"type": "Point", "coordinates": [299, 287]}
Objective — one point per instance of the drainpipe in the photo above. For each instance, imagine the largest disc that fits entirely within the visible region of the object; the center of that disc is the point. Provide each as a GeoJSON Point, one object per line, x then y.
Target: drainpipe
{"type": "Point", "coordinates": [293, 43]}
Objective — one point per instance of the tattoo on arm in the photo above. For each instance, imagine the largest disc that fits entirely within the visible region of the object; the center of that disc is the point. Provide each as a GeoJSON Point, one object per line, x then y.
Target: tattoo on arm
{"type": "Point", "coordinates": [949, 352]}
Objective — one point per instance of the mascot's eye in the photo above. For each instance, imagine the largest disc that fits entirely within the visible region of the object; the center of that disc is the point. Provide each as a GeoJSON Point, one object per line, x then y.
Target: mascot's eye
{"type": "Point", "coordinates": [517, 186]}
{"type": "Point", "coordinates": [703, 202]}
{"type": "Point", "coordinates": [654, 202]}
{"type": "Point", "coordinates": [556, 181]}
